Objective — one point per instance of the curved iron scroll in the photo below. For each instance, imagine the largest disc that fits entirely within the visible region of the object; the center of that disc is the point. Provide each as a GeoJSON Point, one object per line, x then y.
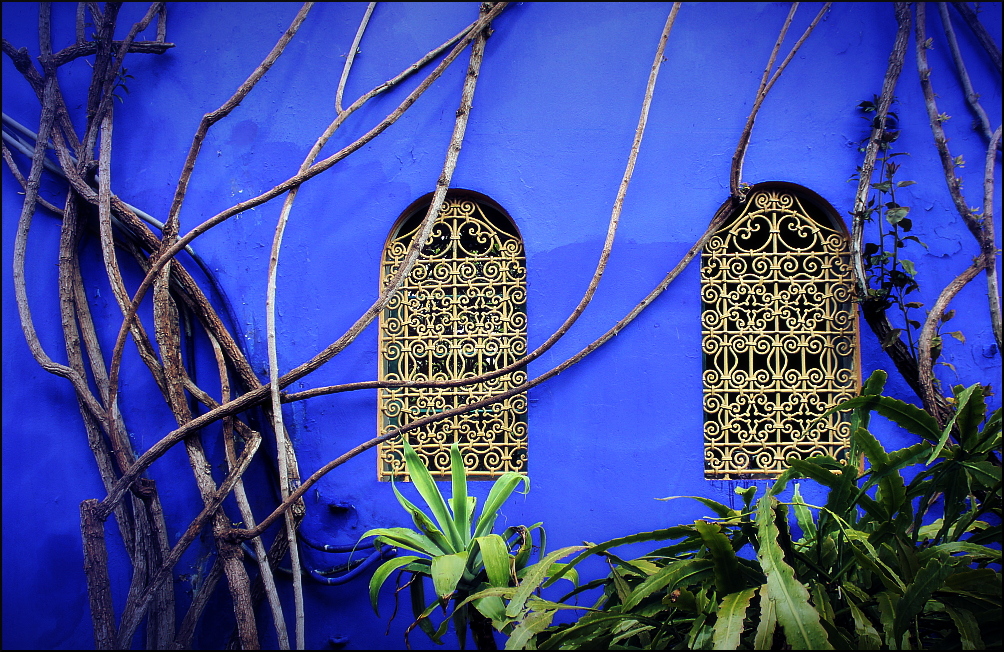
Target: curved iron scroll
{"type": "Point", "coordinates": [461, 313]}
{"type": "Point", "coordinates": [779, 338]}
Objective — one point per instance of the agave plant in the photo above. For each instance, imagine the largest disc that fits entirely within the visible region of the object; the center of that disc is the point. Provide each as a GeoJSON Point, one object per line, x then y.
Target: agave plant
{"type": "Point", "coordinates": [460, 555]}
{"type": "Point", "coordinates": [887, 563]}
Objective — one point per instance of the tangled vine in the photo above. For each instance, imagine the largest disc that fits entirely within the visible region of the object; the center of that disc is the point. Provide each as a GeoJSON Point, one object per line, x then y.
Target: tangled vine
{"type": "Point", "coordinates": [178, 299]}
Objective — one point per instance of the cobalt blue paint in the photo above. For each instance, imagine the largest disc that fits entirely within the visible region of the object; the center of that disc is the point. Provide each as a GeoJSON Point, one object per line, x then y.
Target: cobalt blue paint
{"type": "Point", "coordinates": [553, 119]}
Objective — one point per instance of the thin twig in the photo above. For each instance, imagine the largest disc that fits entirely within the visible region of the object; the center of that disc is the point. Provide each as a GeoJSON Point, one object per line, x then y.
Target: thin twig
{"type": "Point", "coordinates": [989, 239]}
{"type": "Point", "coordinates": [736, 172]}
{"type": "Point", "coordinates": [243, 504]}
{"type": "Point", "coordinates": [981, 33]}
{"type": "Point", "coordinates": [927, 333]}
{"type": "Point", "coordinates": [893, 70]}
{"type": "Point", "coordinates": [737, 158]}
{"type": "Point", "coordinates": [972, 97]}
{"type": "Point", "coordinates": [351, 56]}
{"type": "Point", "coordinates": [12, 166]}
{"type": "Point", "coordinates": [936, 118]}
{"type": "Point", "coordinates": [213, 117]}
{"type": "Point", "coordinates": [929, 394]}
{"type": "Point", "coordinates": [200, 600]}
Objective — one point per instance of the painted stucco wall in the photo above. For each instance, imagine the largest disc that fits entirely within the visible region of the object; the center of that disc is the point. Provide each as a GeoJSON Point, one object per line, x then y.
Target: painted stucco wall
{"type": "Point", "coordinates": [553, 119]}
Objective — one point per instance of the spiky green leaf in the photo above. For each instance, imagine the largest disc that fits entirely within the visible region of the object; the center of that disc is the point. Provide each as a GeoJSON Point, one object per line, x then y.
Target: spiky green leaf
{"type": "Point", "coordinates": [446, 573]}
{"type": "Point", "coordinates": [496, 559]}
{"type": "Point", "coordinates": [767, 624]}
{"type": "Point", "coordinates": [500, 492]}
{"type": "Point", "coordinates": [673, 574]}
{"type": "Point", "coordinates": [381, 574]}
{"type": "Point", "coordinates": [426, 487]}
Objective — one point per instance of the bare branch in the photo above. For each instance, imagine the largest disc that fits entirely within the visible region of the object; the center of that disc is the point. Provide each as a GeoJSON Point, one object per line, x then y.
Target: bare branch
{"type": "Point", "coordinates": [134, 612]}
{"type": "Point", "coordinates": [971, 96]}
{"type": "Point", "coordinates": [929, 394]}
{"type": "Point", "coordinates": [989, 249]}
{"type": "Point", "coordinates": [736, 172]}
{"type": "Point", "coordinates": [893, 70]}
{"type": "Point", "coordinates": [351, 56]}
{"type": "Point", "coordinates": [981, 33]}
{"type": "Point", "coordinates": [208, 120]}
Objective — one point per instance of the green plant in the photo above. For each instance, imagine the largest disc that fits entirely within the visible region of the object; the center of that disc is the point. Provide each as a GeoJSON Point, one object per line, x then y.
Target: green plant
{"type": "Point", "coordinates": [865, 573]}
{"type": "Point", "coordinates": [459, 555]}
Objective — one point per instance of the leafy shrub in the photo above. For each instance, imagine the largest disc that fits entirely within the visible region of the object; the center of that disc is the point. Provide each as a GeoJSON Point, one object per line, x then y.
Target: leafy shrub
{"type": "Point", "coordinates": [866, 573]}
{"type": "Point", "coordinates": [462, 556]}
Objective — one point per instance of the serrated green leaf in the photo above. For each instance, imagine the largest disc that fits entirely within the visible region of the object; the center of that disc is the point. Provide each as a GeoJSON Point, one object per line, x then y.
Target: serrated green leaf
{"type": "Point", "coordinates": [731, 614]}
{"type": "Point", "coordinates": [535, 576]}
{"type": "Point", "coordinates": [906, 415]}
{"type": "Point", "coordinates": [532, 625]}
{"type": "Point", "coordinates": [803, 516]}
{"type": "Point", "coordinates": [728, 578]}
{"type": "Point", "coordinates": [723, 511]}
{"type": "Point", "coordinates": [676, 532]}
{"type": "Point", "coordinates": [977, 581]}
{"type": "Point", "coordinates": [929, 579]}
{"type": "Point", "coordinates": [969, 629]}
{"type": "Point", "coordinates": [887, 602]}
{"type": "Point", "coordinates": [973, 550]}
{"type": "Point", "coordinates": [767, 624]}
{"type": "Point", "coordinates": [868, 636]}
{"type": "Point", "coordinates": [962, 401]}
{"type": "Point", "coordinates": [798, 618]}
{"type": "Point", "coordinates": [673, 574]}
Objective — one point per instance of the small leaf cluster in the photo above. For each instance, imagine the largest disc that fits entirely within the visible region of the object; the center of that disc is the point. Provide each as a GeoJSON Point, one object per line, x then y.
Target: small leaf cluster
{"type": "Point", "coordinates": [890, 276]}
{"type": "Point", "coordinates": [869, 570]}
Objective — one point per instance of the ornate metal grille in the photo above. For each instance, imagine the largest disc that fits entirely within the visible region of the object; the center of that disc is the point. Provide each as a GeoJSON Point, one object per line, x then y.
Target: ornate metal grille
{"type": "Point", "coordinates": [779, 338]}
{"type": "Point", "coordinates": [461, 313]}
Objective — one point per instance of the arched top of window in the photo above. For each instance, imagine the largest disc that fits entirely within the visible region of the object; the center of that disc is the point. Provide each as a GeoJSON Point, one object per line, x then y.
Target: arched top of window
{"type": "Point", "coordinates": [779, 333]}
{"type": "Point", "coordinates": [461, 313]}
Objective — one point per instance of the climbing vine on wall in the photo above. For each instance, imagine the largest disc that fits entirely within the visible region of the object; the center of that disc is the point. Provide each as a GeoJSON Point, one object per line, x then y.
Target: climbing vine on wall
{"type": "Point", "coordinates": [82, 145]}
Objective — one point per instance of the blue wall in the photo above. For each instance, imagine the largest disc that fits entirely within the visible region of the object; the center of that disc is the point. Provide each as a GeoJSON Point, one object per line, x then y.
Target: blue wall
{"type": "Point", "coordinates": [553, 118]}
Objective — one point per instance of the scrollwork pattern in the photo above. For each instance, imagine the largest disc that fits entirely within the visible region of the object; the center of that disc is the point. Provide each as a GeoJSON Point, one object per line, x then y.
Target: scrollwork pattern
{"type": "Point", "coordinates": [461, 313]}
{"type": "Point", "coordinates": [779, 339]}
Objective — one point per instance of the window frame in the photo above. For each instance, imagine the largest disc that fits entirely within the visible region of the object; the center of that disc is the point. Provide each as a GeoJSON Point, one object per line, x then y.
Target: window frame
{"type": "Point", "coordinates": [823, 214]}
{"type": "Point", "coordinates": [439, 467]}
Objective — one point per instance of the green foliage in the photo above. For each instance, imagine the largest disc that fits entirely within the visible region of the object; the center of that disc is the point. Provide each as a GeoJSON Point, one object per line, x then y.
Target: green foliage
{"type": "Point", "coordinates": [866, 573]}
{"type": "Point", "coordinates": [462, 556]}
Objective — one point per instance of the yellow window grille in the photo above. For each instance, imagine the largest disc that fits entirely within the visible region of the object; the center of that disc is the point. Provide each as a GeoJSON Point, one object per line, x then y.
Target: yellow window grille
{"type": "Point", "coordinates": [779, 335]}
{"type": "Point", "coordinates": [461, 313]}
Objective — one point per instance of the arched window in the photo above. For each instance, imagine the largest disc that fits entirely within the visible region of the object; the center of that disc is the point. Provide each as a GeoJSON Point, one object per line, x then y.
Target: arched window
{"type": "Point", "coordinates": [460, 313]}
{"type": "Point", "coordinates": [779, 334]}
